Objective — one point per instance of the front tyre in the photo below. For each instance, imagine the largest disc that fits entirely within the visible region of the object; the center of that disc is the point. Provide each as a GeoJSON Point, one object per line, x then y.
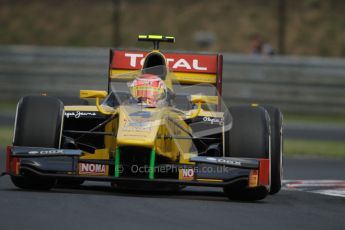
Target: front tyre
{"type": "Point", "coordinates": [248, 138]}
{"type": "Point", "coordinates": [38, 123]}
{"type": "Point", "coordinates": [276, 123]}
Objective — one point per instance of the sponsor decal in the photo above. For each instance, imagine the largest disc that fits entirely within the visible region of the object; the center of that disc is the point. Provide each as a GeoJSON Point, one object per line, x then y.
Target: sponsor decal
{"type": "Point", "coordinates": [136, 134]}
{"type": "Point", "coordinates": [47, 152]}
{"type": "Point", "coordinates": [143, 114]}
{"type": "Point", "coordinates": [213, 120]}
{"type": "Point", "coordinates": [138, 124]}
{"type": "Point", "coordinates": [188, 174]}
{"type": "Point", "coordinates": [224, 161]}
{"type": "Point", "coordinates": [78, 114]}
{"type": "Point", "coordinates": [92, 169]}
{"type": "Point", "coordinates": [137, 127]}
{"type": "Point", "coordinates": [177, 62]}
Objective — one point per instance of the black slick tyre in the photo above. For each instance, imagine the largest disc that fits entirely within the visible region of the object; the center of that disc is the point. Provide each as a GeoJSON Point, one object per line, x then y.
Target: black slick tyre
{"type": "Point", "coordinates": [249, 137]}
{"type": "Point", "coordinates": [38, 123]}
{"type": "Point", "coordinates": [276, 124]}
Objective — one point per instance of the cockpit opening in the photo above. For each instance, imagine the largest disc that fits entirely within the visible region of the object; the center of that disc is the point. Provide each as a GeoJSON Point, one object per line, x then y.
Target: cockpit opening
{"type": "Point", "coordinates": [152, 60]}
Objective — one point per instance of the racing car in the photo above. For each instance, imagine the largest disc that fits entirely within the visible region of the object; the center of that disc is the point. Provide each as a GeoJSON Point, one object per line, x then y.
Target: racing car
{"type": "Point", "coordinates": [162, 124]}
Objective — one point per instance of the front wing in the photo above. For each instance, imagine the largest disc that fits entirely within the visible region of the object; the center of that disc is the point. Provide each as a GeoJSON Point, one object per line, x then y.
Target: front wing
{"type": "Point", "coordinates": [203, 171]}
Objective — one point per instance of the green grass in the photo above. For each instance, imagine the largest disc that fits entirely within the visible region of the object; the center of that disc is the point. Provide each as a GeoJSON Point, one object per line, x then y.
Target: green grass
{"type": "Point", "coordinates": [6, 134]}
{"type": "Point", "coordinates": [7, 106]}
{"type": "Point", "coordinates": [312, 147]}
{"type": "Point", "coordinates": [314, 118]}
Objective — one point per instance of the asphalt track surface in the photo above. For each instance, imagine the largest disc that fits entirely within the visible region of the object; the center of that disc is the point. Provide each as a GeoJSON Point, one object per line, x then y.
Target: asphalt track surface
{"type": "Point", "coordinates": [96, 206]}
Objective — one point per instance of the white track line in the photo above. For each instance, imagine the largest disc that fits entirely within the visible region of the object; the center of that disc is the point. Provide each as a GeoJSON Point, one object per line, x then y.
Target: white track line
{"type": "Point", "coordinates": [332, 192]}
{"type": "Point", "coordinates": [325, 187]}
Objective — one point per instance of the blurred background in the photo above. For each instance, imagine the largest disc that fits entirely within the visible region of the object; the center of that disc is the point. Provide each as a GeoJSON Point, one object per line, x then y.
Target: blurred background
{"type": "Point", "coordinates": [287, 53]}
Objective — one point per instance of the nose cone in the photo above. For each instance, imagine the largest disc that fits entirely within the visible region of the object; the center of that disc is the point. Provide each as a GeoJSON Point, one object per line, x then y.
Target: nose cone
{"type": "Point", "coordinates": [137, 126]}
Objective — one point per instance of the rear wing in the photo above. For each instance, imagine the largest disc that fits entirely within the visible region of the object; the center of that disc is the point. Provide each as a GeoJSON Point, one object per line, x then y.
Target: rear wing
{"type": "Point", "coordinates": [188, 68]}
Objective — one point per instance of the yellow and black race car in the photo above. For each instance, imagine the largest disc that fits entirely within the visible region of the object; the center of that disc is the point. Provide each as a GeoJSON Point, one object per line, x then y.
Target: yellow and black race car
{"type": "Point", "coordinates": [162, 124]}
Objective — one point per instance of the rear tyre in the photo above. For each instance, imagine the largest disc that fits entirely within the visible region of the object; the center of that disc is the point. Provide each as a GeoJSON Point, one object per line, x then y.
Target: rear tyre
{"type": "Point", "coordinates": [38, 123]}
{"type": "Point", "coordinates": [249, 137]}
{"type": "Point", "coordinates": [276, 123]}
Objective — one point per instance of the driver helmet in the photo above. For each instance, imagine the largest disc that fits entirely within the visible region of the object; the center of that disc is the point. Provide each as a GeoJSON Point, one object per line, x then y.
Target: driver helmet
{"type": "Point", "coordinates": [149, 89]}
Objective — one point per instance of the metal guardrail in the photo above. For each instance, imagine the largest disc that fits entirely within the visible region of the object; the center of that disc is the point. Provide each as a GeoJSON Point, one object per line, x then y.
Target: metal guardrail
{"type": "Point", "coordinates": [294, 84]}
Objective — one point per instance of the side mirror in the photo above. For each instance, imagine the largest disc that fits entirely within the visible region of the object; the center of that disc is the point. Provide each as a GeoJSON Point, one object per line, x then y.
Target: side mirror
{"type": "Point", "coordinates": [98, 94]}
{"type": "Point", "coordinates": [199, 100]}
{"type": "Point", "coordinates": [93, 94]}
